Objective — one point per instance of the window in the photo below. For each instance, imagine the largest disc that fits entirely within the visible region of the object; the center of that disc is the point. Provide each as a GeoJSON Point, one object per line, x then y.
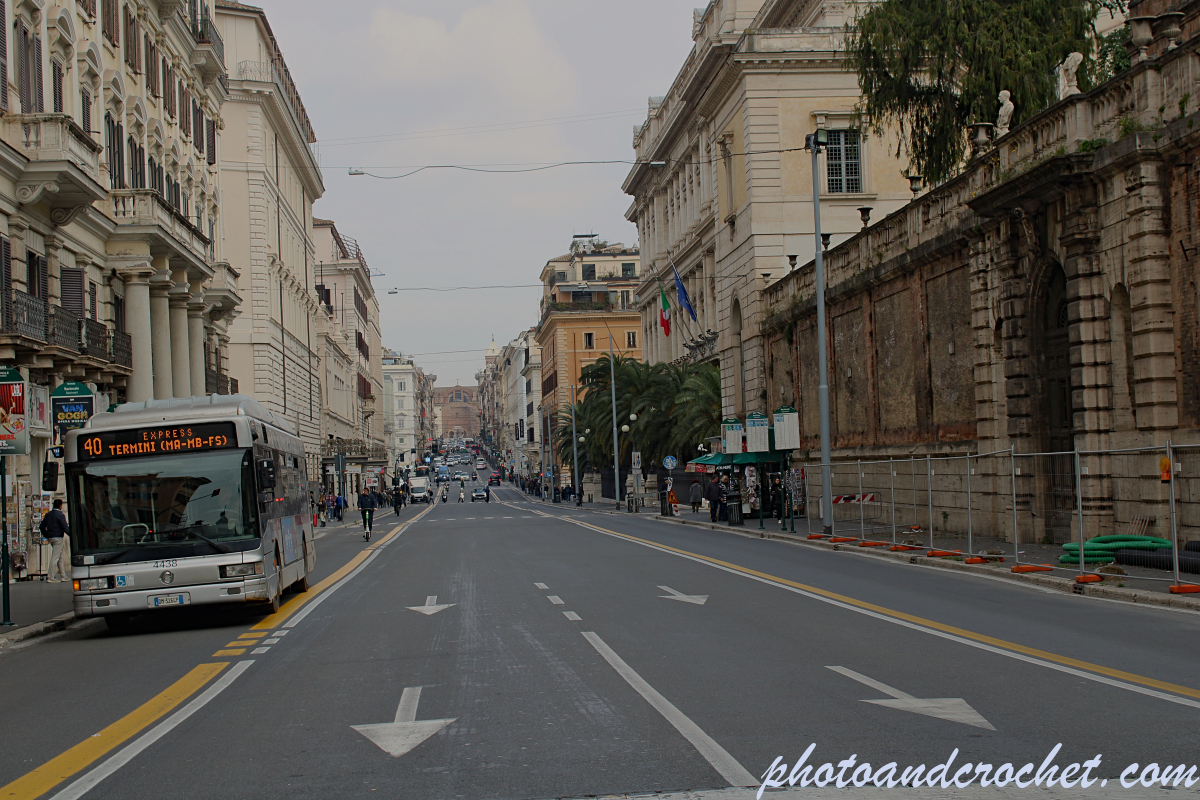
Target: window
{"type": "Point", "coordinates": [581, 297]}
{"type": "Point", "coordinates": [560, 276]}
{"type": "Point", "coordinates": [589, 272]}
{"type": "Point", "coordinates": [85, 110]}
{"type": "Point", "coordinates": [210, 131]}
{"type": "Point", "coordinates": [56, 85]}
{"type": "Point", "coordinates": [3, 61]}
{"type": "Point", "coordinates": [133, 41]}
{"type": "Point", "coordinates": [89, 6]}
{"type": "Point", "coordinates": [37, 275]}
{"type": "Point", "coordinates": [185, 111]}
{"type": "Point", "coordinates": [198, 127]}
{"type": "Point", "coordinates": [152, 62]}
{"type": "Point", "coordinates": [71, 287]}
{"type": "Point", "coordinates": [29, 69]}
{"type": "Point", "coordinates": [528, 386]}
{"type": "Point", "coordinates": [119, 313]}
{"type": "Point", "coordinates": [631, 339]}
{"type": "Point", "coordinates": [400, 387]}
{"type": "Point", "coordinates": [137, 165]}
{"type": "Point", "coordinates": [843, 163]}
{"type": "Point", "coordinates": [624, 299]}
{"type": "Point", "coordinates": [111, 21]}
{"type": "Point", "coordinates": [93, 295]}
{"type": "Point", "coordinates": [169, 93]}
{"type": "Point", "coordinates": [629, 270]}
{"type": "Point", "coordinates": [114, 151]}
{"type": "Point", "coordinates": [589, 341]}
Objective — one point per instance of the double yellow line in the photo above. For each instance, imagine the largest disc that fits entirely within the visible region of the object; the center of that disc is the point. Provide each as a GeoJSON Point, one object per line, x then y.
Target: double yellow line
{"type": "Point", "coordinates": [58, 769]}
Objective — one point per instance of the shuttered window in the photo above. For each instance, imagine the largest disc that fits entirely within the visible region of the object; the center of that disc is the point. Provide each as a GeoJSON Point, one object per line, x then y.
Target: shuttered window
{"type": "Point", "coordinates": [3, 59]}
{"type": "Point", "coordinates": [119, 313]}
{"type": "Point", "coordinates": [93, 298]}
{"type": "Point", "coordinates": [168, 77]}
{"type": "Point", "coordinates": [6, 283]}
{"type": "Point", "coordinates": [151, 51]}
{"type": "Point", "coordinates": [38, 85]}
{"type": "Point", "coordinates": [73, 280]}
{"type": "Point", "coordinates": [198, 127]}
{"type": "Point", "coordinates": [89, 7]}
{"type": "Point", "coordinates": [210, 129]}
{"type": "Point", "coordinates": [37, 278]}
{"type": "Point", "coordinates": [185, 114]}
{"type": "Point", "coordinates": [137, 165]}
{"type": "Point", "coordinates": [24, 80]}
{"type": "Point", "coordinates": [85, 110]}
{"type": "Point", "coordinates": [56, 85]}
{"type": "Point", "coordinates": [114, 151]}
{"type": "Point", "coordinates": [111, 22]}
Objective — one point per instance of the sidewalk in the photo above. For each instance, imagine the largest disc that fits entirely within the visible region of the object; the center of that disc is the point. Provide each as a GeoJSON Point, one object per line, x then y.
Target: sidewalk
{"type": "Point", "coordinates": [36, 601]}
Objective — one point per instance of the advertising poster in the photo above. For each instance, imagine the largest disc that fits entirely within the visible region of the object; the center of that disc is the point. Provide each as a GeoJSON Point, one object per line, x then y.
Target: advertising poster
{"type": "Point", "coordinates": [71, 406]}
{"type": "Point", "coordinates": [39, 407]}
{"type": "Point", "coordinates": [14, 437]}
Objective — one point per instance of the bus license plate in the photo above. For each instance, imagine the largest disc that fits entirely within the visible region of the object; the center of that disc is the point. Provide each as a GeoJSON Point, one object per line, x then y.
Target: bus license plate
{"type": "Point", "coordinates": [169, 600]}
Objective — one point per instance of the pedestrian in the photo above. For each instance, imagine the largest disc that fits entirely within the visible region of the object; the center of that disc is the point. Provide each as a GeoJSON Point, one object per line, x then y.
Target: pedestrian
{"type": "Point", "coordinates": [487, 493]}
{"type": "Point", "coordinates": [777, 499]}
{"type": "Point", "coordinates": [54, 528]}
{"type": "Point", "coordinates": [696, 495]}
{"type": "Point", "coordinates": [723, 499]}
{"type": "Point", "coordinates": [366, 506]}
{"type": "Point", "coordinates": [712, 493]}
{"type": "Point", "coordinates": [341, 507]}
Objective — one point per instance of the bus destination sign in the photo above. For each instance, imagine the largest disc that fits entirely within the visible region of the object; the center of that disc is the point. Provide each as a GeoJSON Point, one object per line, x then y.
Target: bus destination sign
{"type": "Point", "coordinates": [129, 443]}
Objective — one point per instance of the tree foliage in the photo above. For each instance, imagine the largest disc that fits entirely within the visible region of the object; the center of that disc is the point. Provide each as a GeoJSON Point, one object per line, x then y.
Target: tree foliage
{"type": "Point", "coordinates": [677, 407]}
{"type": "Point", "coordinates": [929, 68]}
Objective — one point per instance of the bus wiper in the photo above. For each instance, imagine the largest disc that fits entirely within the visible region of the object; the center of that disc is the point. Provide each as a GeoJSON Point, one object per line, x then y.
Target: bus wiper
{"type": "Point", "coordinates": [221, 548]}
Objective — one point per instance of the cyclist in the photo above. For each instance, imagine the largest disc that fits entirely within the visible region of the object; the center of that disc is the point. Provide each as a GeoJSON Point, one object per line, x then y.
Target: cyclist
{"type": "Point", "coordinates": [367, 505]}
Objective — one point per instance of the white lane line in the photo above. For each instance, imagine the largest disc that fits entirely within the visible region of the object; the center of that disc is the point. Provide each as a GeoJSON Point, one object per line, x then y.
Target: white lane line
{"type": "Point", "coordinates": [555, 599]}
{"type": "Point", "coordinates": [321, 598]}
{"type": "Point", "coordinates": [258, 650]}
{"type": "Point", "coordinates": [506, 518]}
{"type": "Point", "coordinates": [713, 753]}
{"type": "Point", "coordinates": [280, 633]}
{"type": "Point", "coordinates": [571, 615]}
{"type": "Point", "coordinates": [541, 586]}
{"type": "Point", "coordinates": [1091, 676]}
{"type": "Point", "coordinates": [89, 779]}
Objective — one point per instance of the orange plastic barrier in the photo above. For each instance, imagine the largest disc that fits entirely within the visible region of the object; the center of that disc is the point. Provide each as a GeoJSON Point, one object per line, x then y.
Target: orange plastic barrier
{"type": "Point", "coordinates": [1184, 589]}
{"type": "Point", "coordinates": [941, 553]}
{"type": "Point", "coordinates": [843, 539]}
{"type": "Point", "coordinates": [1088, 578]}
{"type": "Point", "coordinates": [872, 544]}
{"type": "Point", "coordinates": [817, 535]}
{"type": "Point", "coordinates": [897, 547]}
{"type": "Point", "coordinates": [1032, 568]}
{"type": "Point", "coordinates": [975, 560]}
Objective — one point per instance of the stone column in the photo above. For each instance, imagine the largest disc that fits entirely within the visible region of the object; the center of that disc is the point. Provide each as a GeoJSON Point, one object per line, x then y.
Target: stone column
{"type": "Point", "coordinates": [160, 330]}
{"type": "Point", "coordinates": [195, 324]}
{"type": "Point", "coordinates": [181, 368]}
{"type": "Point", "coordinates": [137, 325]}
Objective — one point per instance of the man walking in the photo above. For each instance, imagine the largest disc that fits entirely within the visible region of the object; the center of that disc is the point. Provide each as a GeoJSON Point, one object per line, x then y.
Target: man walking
{"type": "Point", "coordinates": [695, 495]}
{"type": "Point", "coordinates": [723, 514]}
{"type": "Point", "coordinates": [54, 527]}
{"type": "Point", "coordinates": [341, 507]}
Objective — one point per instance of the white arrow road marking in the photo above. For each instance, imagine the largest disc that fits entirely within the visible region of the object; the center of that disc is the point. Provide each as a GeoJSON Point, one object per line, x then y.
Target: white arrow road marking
{"type": "Point", "coordinates": [431, 607]}
{"type": "Point", "coordinates": [698, 599]}
{"type": "Point", "coordinates": [954, 709]}
{"type": "Point", "coordinates": [397, 738]}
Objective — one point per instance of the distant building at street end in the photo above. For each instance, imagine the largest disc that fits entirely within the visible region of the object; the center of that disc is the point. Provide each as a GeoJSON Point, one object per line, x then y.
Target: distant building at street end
{"type": "Point", "coordinates": [459, 411]}
{"type": "Point", "coordinates": [407, 409]}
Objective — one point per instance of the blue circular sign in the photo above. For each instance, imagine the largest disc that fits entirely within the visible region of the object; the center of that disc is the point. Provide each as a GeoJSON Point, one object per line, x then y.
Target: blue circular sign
{"type": "Point", "coordinates": [669, 462]}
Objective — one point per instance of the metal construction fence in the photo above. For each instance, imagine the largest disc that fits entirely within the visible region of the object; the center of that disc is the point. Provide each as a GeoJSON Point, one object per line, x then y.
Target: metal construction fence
{"type": "Point", "coordinates": [1001, 501]}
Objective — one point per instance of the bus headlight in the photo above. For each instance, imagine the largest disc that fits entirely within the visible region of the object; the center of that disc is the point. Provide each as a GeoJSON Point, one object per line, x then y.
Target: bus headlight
{"type": "Point", "coordinates": [241, 570]}
{"type": "Point", "coordinates": [92, 584]}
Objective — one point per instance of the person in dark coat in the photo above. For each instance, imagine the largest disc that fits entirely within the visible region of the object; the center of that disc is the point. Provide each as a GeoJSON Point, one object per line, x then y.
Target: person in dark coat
{"type": "Point", "coordinates": [712, 493]}
{"type": "Point", "coordinates": [55, 528]}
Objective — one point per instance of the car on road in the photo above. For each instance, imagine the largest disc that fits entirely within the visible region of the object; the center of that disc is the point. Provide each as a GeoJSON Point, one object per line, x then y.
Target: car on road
{"type": "Point", "coordinates": [481, 464]}
{"type": "Point", "coordinates": [478, 493]}
{"type": "Point", "coordinates": [494, 479]}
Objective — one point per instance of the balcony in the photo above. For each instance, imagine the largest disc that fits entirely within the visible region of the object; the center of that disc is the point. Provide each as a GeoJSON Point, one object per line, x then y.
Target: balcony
{"type": "Point", "coordinates": [143, 215]}
{"type": "Point", "coordinates": [122, 350]}
{"type": "Point", "coordinates": [209, 54]}
{"type": "Point", "coordinates": [571, 307]}
{"type": "Point", "coordinates": [94, 340]}
{"type": "Point", "coordinates": [62, 330]}
{"type": "Point", "coordinates": [64, 164]}
{"type": "Point", "coordinates": [25, 317]}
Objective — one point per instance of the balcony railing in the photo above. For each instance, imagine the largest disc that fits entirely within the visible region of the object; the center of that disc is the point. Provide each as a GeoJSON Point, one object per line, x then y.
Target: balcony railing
{"type": "Point", "coordinates": [205, 32]}
{"type": "Point", "coordinates": [218, 382]}
{"type": "Point", "coordinates": [63, 329]}
{"type": "Point", "coordinates": [122, 349]}
{"type": "Point", "coordinates": [146, 207]}
{"type": "Point", "coordinates": [94, 339]}
{"type": "Point", "coordinates": [25, 315]}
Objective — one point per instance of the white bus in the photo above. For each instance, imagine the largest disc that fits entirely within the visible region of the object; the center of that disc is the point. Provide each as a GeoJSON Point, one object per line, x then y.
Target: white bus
{"type": "Point", "coordinates": [190, 501]}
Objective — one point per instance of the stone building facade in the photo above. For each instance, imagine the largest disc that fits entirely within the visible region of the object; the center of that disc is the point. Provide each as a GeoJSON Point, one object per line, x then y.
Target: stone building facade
{"type": "Point", "coordinates": [111, 226]}
{"type": "Point", "coordinates": [458, 408]}
{"type": "Point", "coordinates": [271, 180]}
{"type": "Point", "coordinates": [407, 425]}
{"type": "Point", "coordinates": [722, 189]}
{"type": "Point", "coordinates": [1044, 300]}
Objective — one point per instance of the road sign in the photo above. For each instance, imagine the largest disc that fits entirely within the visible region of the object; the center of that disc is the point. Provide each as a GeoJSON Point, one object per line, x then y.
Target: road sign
{"type": "Point", "coordinates": [637, 460]}
{"type": "Point", "coordinates": [669, 462]}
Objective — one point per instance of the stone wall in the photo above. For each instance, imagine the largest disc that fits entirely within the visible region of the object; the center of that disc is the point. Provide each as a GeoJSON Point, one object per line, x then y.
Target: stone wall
{"type": "Point", "coordinates": [1044, 300]}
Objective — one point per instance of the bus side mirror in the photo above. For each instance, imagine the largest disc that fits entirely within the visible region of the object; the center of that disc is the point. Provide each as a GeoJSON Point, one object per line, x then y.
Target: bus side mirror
{"type": "Point", "coordinates": [50, 476]}
{"type": "Point", "coordinates": [266, 474]}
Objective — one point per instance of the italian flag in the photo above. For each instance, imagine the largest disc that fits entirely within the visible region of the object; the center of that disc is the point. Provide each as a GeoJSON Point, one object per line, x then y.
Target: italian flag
{"type": "Point", "coordinates": [664, 313]}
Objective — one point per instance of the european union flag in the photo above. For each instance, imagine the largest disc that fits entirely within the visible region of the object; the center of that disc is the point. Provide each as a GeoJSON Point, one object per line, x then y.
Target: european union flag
{"type": "Point", "coordinates": [681, 295]}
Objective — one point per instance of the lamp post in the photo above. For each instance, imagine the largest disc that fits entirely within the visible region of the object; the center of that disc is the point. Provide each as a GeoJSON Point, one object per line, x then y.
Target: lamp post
{"type": "Point", "coordinates": [815, 141]}
{"type": "Point", "coordinates": [575, 449]}
{"type": "Point", "coordinates": [612, 384]}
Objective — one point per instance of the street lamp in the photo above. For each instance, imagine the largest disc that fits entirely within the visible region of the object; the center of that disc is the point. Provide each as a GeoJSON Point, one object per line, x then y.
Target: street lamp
{"type": "Point", "coordinates": [814, 142]}
{"type": "Point", "coordinates": [624, 429]}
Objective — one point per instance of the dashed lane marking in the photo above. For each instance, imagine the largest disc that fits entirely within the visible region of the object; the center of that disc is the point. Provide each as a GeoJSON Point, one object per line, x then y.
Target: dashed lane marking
{"type": "Point", "coordinates": [571, 615]}
{"type": "Point", "coordinates": [558, 601]}
{"type": "Point", "coordinates": [541, 586]}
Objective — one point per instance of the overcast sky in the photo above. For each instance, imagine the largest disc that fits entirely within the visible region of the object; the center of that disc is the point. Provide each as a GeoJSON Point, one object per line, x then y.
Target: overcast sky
{"type": "Point", "coordinates": [396, 70]}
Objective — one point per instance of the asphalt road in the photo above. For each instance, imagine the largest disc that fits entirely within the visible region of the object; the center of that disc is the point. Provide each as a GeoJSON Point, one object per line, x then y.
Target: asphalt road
{"type": "Point", "coordinates": [567, 653]}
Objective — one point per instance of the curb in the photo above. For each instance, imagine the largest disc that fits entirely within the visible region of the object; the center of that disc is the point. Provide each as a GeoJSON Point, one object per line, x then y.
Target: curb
{"type": "Point", "coordinates": [37, 629]}
{"type": "Point", "coordinates": [1067, 585]}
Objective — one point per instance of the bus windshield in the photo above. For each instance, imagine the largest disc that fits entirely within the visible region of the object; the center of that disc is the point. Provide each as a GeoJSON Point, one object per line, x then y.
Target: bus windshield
{"type": "Point", "coordinates": [196, 504]}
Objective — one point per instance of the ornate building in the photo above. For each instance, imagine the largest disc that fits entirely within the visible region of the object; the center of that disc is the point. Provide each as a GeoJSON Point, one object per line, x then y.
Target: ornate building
{"type": "Point", "coordinates": [458, 410]}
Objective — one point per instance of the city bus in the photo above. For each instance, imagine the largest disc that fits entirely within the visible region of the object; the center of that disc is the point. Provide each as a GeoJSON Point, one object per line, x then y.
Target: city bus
{"type": "Point", "coordinates": [185, 502]}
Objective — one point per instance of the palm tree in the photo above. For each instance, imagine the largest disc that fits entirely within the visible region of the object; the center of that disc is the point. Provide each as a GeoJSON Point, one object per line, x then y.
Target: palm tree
{"type": "Point", "coordinates": [699, 404]}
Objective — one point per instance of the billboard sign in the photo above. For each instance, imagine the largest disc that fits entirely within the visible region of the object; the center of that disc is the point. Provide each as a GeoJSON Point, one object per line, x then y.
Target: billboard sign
{"type": "Point", "coordinates": [14, 434]}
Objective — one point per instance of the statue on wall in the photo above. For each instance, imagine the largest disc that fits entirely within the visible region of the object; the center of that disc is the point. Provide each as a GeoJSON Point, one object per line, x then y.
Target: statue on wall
{"type": "Point", "coordinates": [1067, 83]}
{"type": "Point", "coordinates": [1006, 112]}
